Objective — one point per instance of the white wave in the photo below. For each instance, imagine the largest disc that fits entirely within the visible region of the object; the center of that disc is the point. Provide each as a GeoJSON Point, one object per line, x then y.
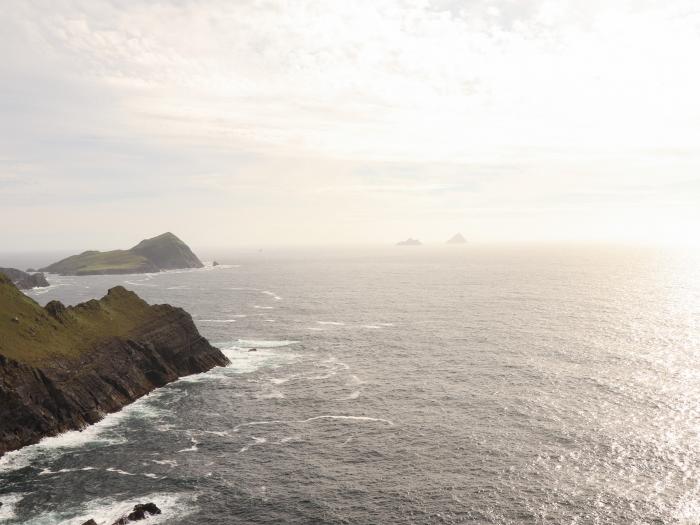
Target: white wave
{"type": "Point", "coordinates": [288, 439]}
{"type": "Point", "coordinates": [256, 441]}
{"type": "Point", "coordinates": [107, 510]}
{"type": "Point", "coordinates": [354, 380]}
{"type": "Point", "coordinates": [48, 471]}
{"type": "Point", "coordinates": [309, 420]}
{"type": "Point", "coordinates": [263, 307]}
{"type": "Point", "coordinates": [269, 320]}
{"type": "Point", "coordinates": [385, 324]}
{"type": "Point", "coordinates": [170, 462]}
{"type": "Point", "coordinates": [371, 326]}
{"type": "Point", "coordinates": [272, 394]}
{"type": "Point", "coordinates": [140, 283]}
{"type": "Point", "coordinates": [193, 448]}
{"type": "Point", "coordinates": [100, 434]}
{"type": "Point", "coordinates": [352, 396]}
{"type": "Point", "coordinates": [182, 287]}
{"type": "Point", "coordinates": [333, 323]}
{"type": "Point", "coordinates": [9, 503]}
{"type": "Point", "coordinates": [118, 471]}
{"type": "Point", "coordinates": [315, 329]}
{"type": "Point", "coordinates": [261, 343]}
{"type": "Point", "coordinates": [45, 289]}
{"type": "Point", "coordinates": [272, 294]}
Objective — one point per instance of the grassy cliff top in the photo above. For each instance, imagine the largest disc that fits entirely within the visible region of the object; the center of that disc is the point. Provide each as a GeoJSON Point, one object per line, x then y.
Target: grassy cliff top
{"type": "Point", "coordinates": [34, 335]}
{"type": "Point", "coordinates": [163, 252]}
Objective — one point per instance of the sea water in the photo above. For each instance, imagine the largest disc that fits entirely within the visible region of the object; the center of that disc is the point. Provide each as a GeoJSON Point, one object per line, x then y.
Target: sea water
{"type": "Point", "coordinates": [456, 384]}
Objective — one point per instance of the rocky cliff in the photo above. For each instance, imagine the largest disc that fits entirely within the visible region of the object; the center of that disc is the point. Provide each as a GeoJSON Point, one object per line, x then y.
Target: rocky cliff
{"type": "Point", "coordinates": [24, 280]}
{"type": "Point", "coordinates": [62, 368]}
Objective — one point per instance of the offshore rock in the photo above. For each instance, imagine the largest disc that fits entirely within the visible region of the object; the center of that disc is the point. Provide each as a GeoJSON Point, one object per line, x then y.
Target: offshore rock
{"type": "Point", "coordinates": [24, 280]}
{"type": "Point", "coordinates": [62, 368]}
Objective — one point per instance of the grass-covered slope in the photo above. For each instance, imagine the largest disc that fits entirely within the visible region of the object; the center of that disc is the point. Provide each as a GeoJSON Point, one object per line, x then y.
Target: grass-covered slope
{"type": "Point", "coordinates": [164, 252]}
{"type": "Point", "coordinates": [34, 335]}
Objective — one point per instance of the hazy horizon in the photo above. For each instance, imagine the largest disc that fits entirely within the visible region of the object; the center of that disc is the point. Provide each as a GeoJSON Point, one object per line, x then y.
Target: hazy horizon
{"type": "Point", "coordinates": [314, 123]}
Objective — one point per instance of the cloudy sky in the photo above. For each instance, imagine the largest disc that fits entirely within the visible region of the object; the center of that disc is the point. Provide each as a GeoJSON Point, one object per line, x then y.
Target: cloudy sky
{"type": "Point", "coordinates": [242, 122]}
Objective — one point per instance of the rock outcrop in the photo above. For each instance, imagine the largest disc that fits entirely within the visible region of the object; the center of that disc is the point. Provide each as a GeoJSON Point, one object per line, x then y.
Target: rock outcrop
{"type": "Point", "coordinates": [164, 252]}
{"type": "Point", "coordinates": [62, 368]}
{"type": "Point", "coordinates": [409, 242]}
{"type": "Point", "coordinates": [457, 238]}
{"type": "Point", "coordinates": [24, 280]}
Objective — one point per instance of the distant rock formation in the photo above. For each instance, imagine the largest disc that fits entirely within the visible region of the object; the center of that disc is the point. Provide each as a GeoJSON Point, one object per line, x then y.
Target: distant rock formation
{"type": "Point", "coordinates": [457, 238]}
{"type": "Point", "coordinates": [215, 263]}
{"type": "Point", "coordinates": [24, 280]}
{"type": "Point", "coordinates": [164, 252]}
{"type": "Point", "coordinates": [409, 242]}
{"type": "Point", "coordinates": [62, 368]}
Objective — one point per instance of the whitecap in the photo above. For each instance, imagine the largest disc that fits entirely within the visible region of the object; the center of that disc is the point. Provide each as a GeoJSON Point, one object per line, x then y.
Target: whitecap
{"type": "Point", "coordinates": [101, 434]}
{"type": "Point", "coordinates": [315, 418]}
{"type": "Point", "coordinates": [371, 326]}
{"type": "Point", "coordinates": [48, 471]}
{"type": "Point", "coordinates": [272, 294]}
{"type": "Point", "coordinates": [352, 396]}
{"type": "Point", "coordinates": [259, 343]}
{"type": "Point", "coordinates": [332, 323]}
{"type": "Point", "coordinates": [263, 307]}
{"type": "Point", "coordinates": [108, 510]}
{"type": "Point", "coordinates": [256, 441]}
{"type": "Point", "coordinates": [9, 503]}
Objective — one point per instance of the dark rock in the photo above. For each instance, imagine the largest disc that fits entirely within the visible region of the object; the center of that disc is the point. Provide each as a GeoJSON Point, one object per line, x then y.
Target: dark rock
{"type": "Point", "coordinates": [15, 319]}
{"type": "Point", "coordinates": [90, 522]}
{"type": "Point", "coordinates": [215, 263]}
{"type": "Point", "coordinates": [143, 510]}
{"type": "Point", "coordinates": [253, 350]}
{"type": "Point", "coordinates": [23, 280]}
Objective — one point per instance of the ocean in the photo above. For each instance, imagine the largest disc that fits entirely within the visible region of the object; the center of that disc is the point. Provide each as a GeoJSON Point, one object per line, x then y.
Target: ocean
{"type": "Point", "coordinates": [450, 384]}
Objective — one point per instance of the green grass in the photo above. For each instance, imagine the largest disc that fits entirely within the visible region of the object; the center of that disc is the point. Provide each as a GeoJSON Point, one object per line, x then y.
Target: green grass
{"type": "Point", "coordinates": [29, 334]}
{"type": "Point", "coordinates": [97, 262]}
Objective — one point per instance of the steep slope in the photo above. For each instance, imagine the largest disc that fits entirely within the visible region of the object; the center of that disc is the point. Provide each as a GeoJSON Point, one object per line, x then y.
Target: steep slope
{"type": "Point", "coordinates": [457, 238]}
{"type": "Point", "coordinates": [24, 280]}
{"type": "Point", "coordinates": [62, 368]}
{"type": "Point", "coordinates": [167, 252]}
{"type": "Point", "coordinates": [164, 252]}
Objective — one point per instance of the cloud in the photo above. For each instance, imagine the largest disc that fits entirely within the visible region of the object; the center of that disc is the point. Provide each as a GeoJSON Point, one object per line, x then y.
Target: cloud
{"type": "Point", "coordinates": [387, 108]}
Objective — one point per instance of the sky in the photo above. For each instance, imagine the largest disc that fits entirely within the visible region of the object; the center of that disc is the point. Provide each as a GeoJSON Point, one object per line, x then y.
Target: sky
{"type": "Point", "coordinates": [301, 122]}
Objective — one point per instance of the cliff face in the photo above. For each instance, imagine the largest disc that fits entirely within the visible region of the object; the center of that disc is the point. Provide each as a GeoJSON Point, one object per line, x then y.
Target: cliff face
{"type": "Point", "coordinates": [164, 252]}
{"type": "Point", "coordinates": [64, 368]}
{"type": "Point", "coordinates": [24, 280]}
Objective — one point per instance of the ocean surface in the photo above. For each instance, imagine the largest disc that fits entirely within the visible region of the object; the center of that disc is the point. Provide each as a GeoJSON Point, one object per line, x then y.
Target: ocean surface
{"type": "Point", "coordinates": [455, 384]}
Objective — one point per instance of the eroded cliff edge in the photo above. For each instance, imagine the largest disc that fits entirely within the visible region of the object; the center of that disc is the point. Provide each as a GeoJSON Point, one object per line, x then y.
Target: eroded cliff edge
{"type": "Point", "coordinates": [62, 368]}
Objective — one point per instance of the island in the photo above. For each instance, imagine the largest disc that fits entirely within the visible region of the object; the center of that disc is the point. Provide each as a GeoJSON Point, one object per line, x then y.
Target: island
{"type": "Point", "coordinates": [164, 252]}
{"type": "Point", "coordinates": [409, 242]}
{"type": "Point", "coordinates": [25, 280]}
{"type": "Point", "coordinates": [62, 368]}
{"type": "Point", "coordinates": [457, 238]}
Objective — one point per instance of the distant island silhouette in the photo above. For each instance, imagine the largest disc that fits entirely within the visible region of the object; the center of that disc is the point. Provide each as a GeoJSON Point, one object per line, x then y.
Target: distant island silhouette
{"type": "Point", "coordinates": [409, 242]}
{"type": "Point", "coordinates": [457, 238]}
